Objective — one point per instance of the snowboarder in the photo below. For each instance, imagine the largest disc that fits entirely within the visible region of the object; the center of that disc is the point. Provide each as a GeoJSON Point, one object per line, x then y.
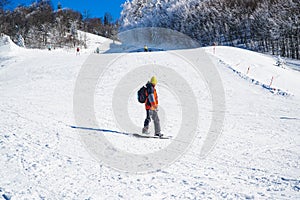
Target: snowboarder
{"type": "Point", "coordinates": [151, 106]}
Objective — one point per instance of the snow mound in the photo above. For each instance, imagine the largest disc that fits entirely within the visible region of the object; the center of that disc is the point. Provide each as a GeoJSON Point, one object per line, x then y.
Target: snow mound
{"type": "Point", "coordinates": [8, 49]}
{"type": "Point", "coordinates": [6, 44]}
{"type": "Point", "coordinates": [156, 38]}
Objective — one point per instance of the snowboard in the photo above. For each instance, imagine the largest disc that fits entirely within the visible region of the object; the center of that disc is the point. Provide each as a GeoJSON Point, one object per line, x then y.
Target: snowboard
{"type": "Point", "coordinates": [150, 136]}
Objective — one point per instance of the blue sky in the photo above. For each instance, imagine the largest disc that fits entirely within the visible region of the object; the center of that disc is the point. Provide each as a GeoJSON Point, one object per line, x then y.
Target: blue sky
{"type": "Point", "coordinates": [96, 8]}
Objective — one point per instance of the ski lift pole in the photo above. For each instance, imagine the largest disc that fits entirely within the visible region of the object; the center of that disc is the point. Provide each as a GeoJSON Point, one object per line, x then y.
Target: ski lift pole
{"type": "Point", "coordinates": [214, 48]}
{"type": "Point", "coordinates": [248, 70]}
{"type": "Point", "coordinates": [271, 81]}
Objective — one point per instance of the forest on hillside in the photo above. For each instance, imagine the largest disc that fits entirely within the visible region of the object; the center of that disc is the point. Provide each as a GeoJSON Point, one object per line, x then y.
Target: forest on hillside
{"type": "Point", "coordinates": [271, 26]}
{"type": "Point", "coordinates": [39, 25]}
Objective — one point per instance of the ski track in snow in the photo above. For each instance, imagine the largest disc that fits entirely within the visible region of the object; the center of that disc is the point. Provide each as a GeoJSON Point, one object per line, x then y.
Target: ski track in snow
{"type": "Point", "coordinates": [256, 157]}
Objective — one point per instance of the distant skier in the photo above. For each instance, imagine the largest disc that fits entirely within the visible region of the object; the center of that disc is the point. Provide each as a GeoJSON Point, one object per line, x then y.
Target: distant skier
{"type": "Point", "coordinates": [151, 106]}
{"type": "Point", "coordinates": [145, 48]}
{"type": "Point", "coordinates": [279, 62]}
{"type": "Point", "coordinates": [77, 51]}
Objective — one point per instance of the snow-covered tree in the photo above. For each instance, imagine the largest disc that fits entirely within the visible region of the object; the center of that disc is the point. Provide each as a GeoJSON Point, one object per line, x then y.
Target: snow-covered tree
{"type": "Point", "coordinates": [266, 26]}
{"type": "Point", "coordinates": [41, 25]}
{"type": "Point", "coordinates": [21, 41]}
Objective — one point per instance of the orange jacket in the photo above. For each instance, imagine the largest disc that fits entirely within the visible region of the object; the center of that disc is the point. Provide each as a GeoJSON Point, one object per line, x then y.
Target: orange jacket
{"type": "Point", "coordinates": [152, 99]}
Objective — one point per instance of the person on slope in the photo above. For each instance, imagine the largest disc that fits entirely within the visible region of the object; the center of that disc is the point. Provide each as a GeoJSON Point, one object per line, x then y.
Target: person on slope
{"type": "Point", "coordinates": [151, 106]}
{"type": "Point", "coordinates": [145, 48]}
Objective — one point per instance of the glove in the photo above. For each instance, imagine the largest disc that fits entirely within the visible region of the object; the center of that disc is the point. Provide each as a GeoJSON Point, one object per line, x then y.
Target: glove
{"type": "Point", "coordinates": [154, 107]}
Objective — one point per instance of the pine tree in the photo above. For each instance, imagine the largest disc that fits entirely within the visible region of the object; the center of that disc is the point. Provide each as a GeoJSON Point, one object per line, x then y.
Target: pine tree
{"type": "Point", "coordinates": [59, 7]}
{"type": "Point", "coordinates": [21, 42]}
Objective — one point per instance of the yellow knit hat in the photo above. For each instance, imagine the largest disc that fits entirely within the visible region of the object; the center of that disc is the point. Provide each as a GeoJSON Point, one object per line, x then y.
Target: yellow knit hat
{"type": "Point", "coordinates": [153, 80]}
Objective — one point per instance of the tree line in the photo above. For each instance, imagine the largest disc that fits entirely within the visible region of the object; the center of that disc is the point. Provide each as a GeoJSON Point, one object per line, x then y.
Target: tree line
{"type": "Point", "coordinates": [271, 26]}
{"type": "Point", "coordinates": [40, 26]}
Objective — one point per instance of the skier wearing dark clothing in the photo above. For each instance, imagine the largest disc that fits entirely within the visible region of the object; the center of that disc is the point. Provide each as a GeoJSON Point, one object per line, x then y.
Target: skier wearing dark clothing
{"type": "Point", "coordinates": [151, 106]}
{"type": "Point", "coordinates": [145, 48]}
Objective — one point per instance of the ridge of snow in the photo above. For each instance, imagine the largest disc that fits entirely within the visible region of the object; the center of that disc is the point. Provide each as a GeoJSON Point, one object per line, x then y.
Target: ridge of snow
{"type": "Point", "coordinates": [258, 68]}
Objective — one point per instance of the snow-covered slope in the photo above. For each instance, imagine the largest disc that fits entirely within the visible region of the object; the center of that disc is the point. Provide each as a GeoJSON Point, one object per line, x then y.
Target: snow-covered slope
{"type": "Point", "coordinates": [42, 157]}
{"type": "Point", "coordinates": [259, 67]}
{"type": "Point", "coordinates": [94, 41]}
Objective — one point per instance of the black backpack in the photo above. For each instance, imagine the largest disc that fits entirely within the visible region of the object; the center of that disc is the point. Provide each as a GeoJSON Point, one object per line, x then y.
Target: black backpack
{"type": "Point", "coordinates": [142, 94]}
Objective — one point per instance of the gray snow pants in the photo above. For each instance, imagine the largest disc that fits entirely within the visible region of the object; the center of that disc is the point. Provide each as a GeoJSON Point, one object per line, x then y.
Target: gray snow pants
{"type": "Point", "coordinates": [152, 114]}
